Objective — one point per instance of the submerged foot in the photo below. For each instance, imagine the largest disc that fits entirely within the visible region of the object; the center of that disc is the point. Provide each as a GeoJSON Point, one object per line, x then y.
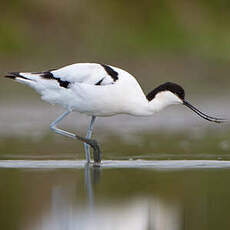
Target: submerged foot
{"type": "Point", "coordinates": [96, 152]}
{"type": "Point", "coordinates": [96, 149]}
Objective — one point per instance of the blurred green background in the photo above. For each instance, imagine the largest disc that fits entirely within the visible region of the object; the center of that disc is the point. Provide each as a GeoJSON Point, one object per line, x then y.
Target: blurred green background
{"type": "Point", "coordinates": [182, 41]}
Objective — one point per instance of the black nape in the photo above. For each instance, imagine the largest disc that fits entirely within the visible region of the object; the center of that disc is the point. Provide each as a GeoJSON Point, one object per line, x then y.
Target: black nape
{"type": "Point", "coordinates": [168, 86]}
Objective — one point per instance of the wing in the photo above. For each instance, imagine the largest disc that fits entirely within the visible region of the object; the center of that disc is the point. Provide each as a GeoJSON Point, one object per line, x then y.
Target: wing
{"type": "Point", "coordinates": [88, 73]}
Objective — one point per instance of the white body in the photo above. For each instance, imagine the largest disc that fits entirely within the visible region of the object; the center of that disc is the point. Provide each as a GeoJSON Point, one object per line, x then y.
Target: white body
{"type": "Point", "coordinates": [121, 96]}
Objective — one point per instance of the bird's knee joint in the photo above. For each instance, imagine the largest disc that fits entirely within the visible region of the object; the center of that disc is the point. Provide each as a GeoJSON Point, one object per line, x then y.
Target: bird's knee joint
{"type": "Point", "coordinates": [52, 127]}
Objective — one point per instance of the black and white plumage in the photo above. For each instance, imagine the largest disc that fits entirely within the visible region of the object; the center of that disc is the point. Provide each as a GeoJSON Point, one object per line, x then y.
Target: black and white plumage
{"type": "Point", "coordinates": [100, 90]}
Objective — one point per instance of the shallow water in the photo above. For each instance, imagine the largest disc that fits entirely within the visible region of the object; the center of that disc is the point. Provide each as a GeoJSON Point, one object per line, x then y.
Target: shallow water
{"type": "Point", "coordinates": [119, 195]}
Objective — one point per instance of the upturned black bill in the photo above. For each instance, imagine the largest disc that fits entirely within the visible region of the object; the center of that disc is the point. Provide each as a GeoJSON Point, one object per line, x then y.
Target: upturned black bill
{"type": "Point", "coordinates": [205, 116]}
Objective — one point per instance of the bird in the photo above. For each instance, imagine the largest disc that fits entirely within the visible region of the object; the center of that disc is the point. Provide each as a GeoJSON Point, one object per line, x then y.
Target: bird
{"type": "Point", "coordinates": [101, 90]}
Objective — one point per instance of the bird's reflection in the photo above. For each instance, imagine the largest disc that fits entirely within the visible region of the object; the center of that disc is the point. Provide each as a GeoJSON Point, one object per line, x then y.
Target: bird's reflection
{"type": "Point", "coordinates": [92, 177]}
{"type": "Point", "coordinates": [85, 197]}
{"type": "Point", "coordinates": [67, 211]}
{"type": "Point", "coordinates": [74, 204]}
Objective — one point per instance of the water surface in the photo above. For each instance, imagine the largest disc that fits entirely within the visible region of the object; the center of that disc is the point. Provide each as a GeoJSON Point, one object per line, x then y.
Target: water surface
{"type": "Point", "coordinates": [162, 195]}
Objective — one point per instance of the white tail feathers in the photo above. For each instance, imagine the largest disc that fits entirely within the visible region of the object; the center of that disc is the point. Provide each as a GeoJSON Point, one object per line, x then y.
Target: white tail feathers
{"type": "Point", "coordinates": [39, 81]}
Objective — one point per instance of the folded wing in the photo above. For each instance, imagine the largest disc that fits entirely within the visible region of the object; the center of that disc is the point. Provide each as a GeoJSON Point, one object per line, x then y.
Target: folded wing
{"type": "Point", "coordinates": [87, 73]}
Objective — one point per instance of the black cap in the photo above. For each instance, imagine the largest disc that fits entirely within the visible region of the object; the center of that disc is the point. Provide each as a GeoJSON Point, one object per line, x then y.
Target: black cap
{"type": "Point", "coordinates": [168, 86]}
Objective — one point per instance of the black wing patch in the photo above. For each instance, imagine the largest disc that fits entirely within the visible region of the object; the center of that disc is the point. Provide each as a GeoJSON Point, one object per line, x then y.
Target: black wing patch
{"type": "Point", "coordinates": [99, 82]}
{"type": "Point", "coordinates": [111, 72]}
{"type": "Point", "coordinates": [49, 75]}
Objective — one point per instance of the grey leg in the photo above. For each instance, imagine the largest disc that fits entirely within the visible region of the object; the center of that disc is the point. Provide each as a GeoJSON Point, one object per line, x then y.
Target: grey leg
{"type": "Point", "coordinates": [60, 131]}
{"type": "Point", "coordinates": [88, 136]}
{"type": "Point", "coordinates": [91, 142]}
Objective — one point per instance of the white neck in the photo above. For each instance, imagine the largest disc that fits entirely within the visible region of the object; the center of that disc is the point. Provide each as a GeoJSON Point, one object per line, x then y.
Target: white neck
{"type": "Point", "coordinates": [163, 100]}
{"type": "Point", "coordinates": [158, 103]}
{"type": "Point", "coordinates": [147, 108]}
